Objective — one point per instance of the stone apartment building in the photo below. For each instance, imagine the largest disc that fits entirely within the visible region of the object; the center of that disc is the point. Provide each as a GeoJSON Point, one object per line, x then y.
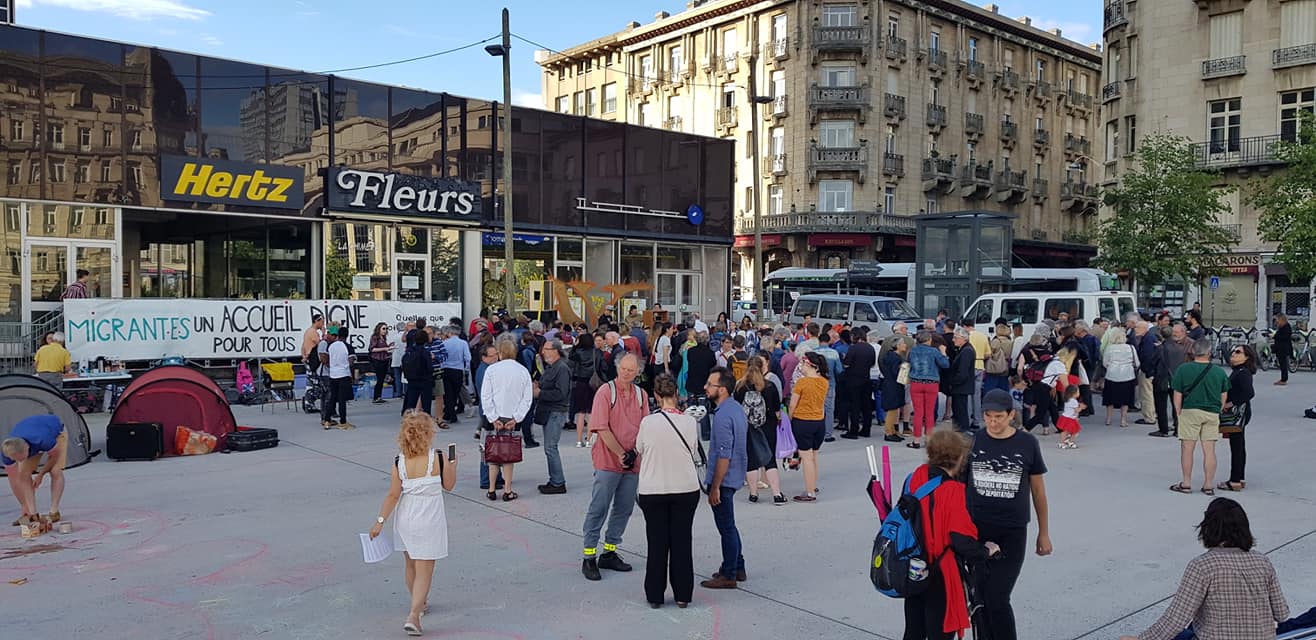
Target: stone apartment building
{"type": "Point", "coordinates": [1233, 76]}
{"type": "Point", "coordinates": [880, 110]}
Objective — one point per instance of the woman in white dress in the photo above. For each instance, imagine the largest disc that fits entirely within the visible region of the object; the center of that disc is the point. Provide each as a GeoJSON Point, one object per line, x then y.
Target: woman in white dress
{"type": "Point", "coordinates": [420, 476]}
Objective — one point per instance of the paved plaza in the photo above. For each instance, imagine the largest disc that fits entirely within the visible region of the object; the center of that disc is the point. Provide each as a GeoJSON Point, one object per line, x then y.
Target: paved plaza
{"type": "Point", "coordinates": [264, 544]}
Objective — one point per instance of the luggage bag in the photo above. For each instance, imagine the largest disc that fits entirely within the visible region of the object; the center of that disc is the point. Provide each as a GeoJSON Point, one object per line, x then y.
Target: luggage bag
{"type": "Point", "coordinates": [252, 439]}
{"type": "Point", "coordinates": [134, 441]}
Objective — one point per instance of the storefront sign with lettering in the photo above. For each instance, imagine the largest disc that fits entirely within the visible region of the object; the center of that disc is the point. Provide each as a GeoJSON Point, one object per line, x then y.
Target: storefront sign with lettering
{"type": "Point", "coordinates": [401, 194]}
{"type": "Point", "coordinates": [226, 182]}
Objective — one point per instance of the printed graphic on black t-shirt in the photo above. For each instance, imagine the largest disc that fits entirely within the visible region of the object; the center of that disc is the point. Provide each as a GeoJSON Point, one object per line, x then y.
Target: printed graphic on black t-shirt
{"type": "Point", "coordinates": [999, 478]}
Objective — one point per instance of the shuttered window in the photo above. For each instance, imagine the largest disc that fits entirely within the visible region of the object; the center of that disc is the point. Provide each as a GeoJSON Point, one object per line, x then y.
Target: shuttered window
{"type": "Point", "coordinates": [1226, 35]}
{"type": "Point", "coordinates": [1297, 23]}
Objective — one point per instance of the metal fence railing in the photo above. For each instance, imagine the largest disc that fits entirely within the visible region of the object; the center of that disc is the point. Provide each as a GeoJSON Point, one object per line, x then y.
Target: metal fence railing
{"type": "Point", "coordinates": [19, 342]}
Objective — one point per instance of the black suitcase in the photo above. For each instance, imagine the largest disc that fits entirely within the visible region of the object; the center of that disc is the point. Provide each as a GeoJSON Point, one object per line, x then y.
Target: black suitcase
{"type": "Point", "coordinates": [252, 439]}
{"type": "Point", "coordinates": [134, 441]}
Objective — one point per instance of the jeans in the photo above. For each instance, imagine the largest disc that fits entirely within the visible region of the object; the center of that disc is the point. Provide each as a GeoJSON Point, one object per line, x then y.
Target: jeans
{"type": "Point", "coordinates": [398, 391]}
{"type": "Point", "coordinates": [860, 419]}
{"type": "Point", "coordinates": [875, 397]}
{"type": "Point", "coordinates": [724, 516]}
{"type": "Point", "coordinates": [527, 425]}
{"type": "Point", "coordinates": [668, 520]}
{"type": "Point", "coordinates": [381, 371]}
{"type": "Point", "coordinates": [829, 407]}
{"type": "Point", "coordinates": [991, 382]}
{"type": "Point", "coordinates": [975, 401]}
{"type": "Point", "coordinates": [552, 434]}
{"type": "Point", "coordinates": [615, 489]}
{"type": "Point", "coordinates": [925, 407]}
{"type": "Point", "coordinates": [419, 395]}
{"type": "Point", "coordinates": [452, 389]}
{"type": "Point", "coordinates": [998, 579]}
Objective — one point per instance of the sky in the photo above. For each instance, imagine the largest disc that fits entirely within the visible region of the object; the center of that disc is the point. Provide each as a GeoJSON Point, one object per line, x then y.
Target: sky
{"type": "Point", "coordinates": [320, 35]}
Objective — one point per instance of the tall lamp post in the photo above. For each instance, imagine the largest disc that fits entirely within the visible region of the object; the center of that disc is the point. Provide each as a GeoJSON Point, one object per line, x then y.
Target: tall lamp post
{"type": "Point", "coordinates": [760, 312]}
{"type": "Point", "coordinates": [504, 51]}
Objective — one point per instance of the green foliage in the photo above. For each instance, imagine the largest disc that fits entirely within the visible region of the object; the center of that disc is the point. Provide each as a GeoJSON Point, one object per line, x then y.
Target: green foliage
{"type": "Point", "coordinates": [1287, 202]}
{"type": "Point", "coordinates": [445, 259]}
{"type": "Point", "coordinates": [337, 277]}
{"type": "Point", "coordinates": [1166, 216]}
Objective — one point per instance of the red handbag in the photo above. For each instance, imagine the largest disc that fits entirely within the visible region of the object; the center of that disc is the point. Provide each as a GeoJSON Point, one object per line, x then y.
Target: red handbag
{"type": "Point", "coordinates": [502, 448]}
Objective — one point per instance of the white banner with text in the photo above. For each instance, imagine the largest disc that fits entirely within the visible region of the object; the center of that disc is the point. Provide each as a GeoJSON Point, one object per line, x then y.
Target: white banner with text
{"type": "Point", "coordinates": [151, 329]}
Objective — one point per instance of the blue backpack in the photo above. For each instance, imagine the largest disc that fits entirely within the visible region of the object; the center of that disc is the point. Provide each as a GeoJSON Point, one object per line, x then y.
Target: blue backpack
{"type": "Point", "coordinates": [901, 567]}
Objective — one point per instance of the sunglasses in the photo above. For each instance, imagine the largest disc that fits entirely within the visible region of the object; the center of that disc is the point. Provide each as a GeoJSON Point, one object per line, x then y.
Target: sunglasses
{"type": "Point", "coordinates": [1238, 352]}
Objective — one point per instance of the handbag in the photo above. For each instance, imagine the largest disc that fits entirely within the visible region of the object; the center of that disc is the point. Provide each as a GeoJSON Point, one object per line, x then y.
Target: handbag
{"type": "Point", "coordinates": [758, 449]}
{"type": "Point", "coordinates": [903, 376]}
{"type": "Point", "coordinates": [502, 447]}
{"type": "Point", "coordinates": [786, 445]}
{"type": "Point", "coordinates": [703, 459]}
{"type": "Point", "coordinates": [1231, 419]}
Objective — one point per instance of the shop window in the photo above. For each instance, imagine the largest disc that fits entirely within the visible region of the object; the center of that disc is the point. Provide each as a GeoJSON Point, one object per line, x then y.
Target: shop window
{"type": "Point", "coordinates": [445, 265]}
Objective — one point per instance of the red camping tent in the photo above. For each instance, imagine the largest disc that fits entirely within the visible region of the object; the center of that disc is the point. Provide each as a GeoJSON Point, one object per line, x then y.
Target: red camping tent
{"type": "Point", "coordinates": [174, 396]}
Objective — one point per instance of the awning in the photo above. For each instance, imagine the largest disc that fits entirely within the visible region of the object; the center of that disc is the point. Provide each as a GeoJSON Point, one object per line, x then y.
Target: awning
{"type": "Point", "coordinates": [840, 240]}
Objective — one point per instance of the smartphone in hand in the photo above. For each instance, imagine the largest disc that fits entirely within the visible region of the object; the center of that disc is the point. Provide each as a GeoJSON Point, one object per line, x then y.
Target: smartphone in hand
{"type": "Point", "coordinates": [452, 451]}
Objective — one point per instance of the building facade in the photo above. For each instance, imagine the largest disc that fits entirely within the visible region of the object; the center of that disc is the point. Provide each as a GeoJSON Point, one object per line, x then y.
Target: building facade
{"type": "Point", "coordinates": [879, 110]}
{"type": "Point", "coordinates": [173, 175]}
{"type": "Point", "coordinates": [1233, 76]}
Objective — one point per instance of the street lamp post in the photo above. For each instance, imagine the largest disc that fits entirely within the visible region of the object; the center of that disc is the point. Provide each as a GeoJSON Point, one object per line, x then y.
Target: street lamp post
{"type": "Point", "coordinates": [504, 51]}
{"type": "Point", "coordinates": [754, 101]}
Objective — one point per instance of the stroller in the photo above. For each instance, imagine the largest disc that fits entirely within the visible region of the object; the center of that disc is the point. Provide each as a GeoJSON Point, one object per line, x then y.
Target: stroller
{"type": "Point", "coordinates": [314, 394]}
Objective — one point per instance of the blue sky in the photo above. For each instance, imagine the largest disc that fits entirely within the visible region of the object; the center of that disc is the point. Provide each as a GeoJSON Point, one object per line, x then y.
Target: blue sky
{"type": "Point", "coordinates": [317, 35]}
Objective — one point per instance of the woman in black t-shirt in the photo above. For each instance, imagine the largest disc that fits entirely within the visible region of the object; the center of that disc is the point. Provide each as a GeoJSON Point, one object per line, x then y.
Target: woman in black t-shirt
{"type": "Point", "coordinates": [1241, 391]}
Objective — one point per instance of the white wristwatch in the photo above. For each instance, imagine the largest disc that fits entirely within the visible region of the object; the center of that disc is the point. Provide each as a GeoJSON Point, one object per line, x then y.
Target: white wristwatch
{"type": "Point", "coordinates": [379, 519]}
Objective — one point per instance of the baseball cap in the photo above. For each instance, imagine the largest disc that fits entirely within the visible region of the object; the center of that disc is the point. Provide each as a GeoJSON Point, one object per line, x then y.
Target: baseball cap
{"type": "Point", "coordinates": [997, 400]}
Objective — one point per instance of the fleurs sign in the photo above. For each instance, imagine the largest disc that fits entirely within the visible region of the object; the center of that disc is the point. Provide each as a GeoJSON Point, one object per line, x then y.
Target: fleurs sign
{"type": "Point", "coordinates": [400, 194]}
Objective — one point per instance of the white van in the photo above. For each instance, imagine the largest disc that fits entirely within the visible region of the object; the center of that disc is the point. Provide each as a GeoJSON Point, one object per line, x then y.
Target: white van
{"type": "Point", "coordinates": [1030, 307]}
{"type": "Point", "coordinates": [875, 312]}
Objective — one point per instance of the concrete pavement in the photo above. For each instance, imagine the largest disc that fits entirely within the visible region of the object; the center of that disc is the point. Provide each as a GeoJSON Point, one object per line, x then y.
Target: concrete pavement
{"type": "Point", "coordinates": [263, 544]}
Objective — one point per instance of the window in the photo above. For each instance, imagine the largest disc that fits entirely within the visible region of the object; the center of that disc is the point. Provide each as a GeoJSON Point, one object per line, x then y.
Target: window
{"type": "Point", "coordinates": [1039, 71]}
{"type": "Point", "coordinates": [778, 137]}
{"type": "Point", "coordinates": [137, 140]}
{"type": "Point", "coordinates": [971, 151]}
{"type": "Point", "coordinates": [1008, 59]}
{"type": "Point", "coordinates": [55, 135]}
{"type": "Point", "coordinates": [863, 312]}
{"type": "Point", "coordinates": [1115, 62]}
{"type": "Point", "coordinates": [834, 310]}
{"type": "Point", "coordinates": [16, 130]}
{"type": "Point", "coordinates": [775, 200]}
{"type": "Point", "coordinates": [107, 138]}
{"type": "Point", "coordinates": [893, 26]}
{"type": "Point", "coordinates": [1226, 35]}
{"type": "Point", "coordinates": [134, 175]}
{"type": "Point", "coordinates": [1112, 139]}
{"type": "Point", "coordinates": [840, 15]}
{"type": "Point", "coordinates": [931, 205]}
{"type": "Point", "coordinates": [729, 95]}
{"type": "Point", "coordinates": [889, 199]}
{"type": "Point", "coordinates": [893, 81]}
{"type": "Point", "coordinates": [981, 312]}
{"type": "Point", "coordinates": [84, 138]}
{"type": "Point", "coordinates": [564, 104]}
{"type": "Point", "coordinates": [833, 133]}
{"type": "Point", "coordinates": [591, 101]}
{"type": "Point", "coordinates": [646, 70]}
{"type": "Point", "coordinates": [1039, 122]}
{"type": "Point", "coordinates": [934, 40]}
{"type": "Point", "coordinates": [971, 105]}
{"type": "Point", "coordinates": [1106, 308]}
{"type": "Point", "coordinates": [1297, 23]}
{"type": "Point", "coordinates": [676, 60]}
{"type": "Point", "coordinates": [779, 34]}
{"type": "Point", "coordinates": [610, 97]}
{"type": "Point", "coordinates": [805, 308]}
{"type": "Point", "coordinates": [1225, 123]}
{"type": "Point", "coordinates": [83, 174]}
{"type": "Point", "coordinates": [1291, 105]}
{"type": "Point", "coordinates": [1132, 62]}
{"type": "Point", "coordinates": [890, 145]}
{"type": "Point", "coordinates": [646, 115]}
{"type": "Point", "coordinates": [578, 103]}
{"type": "Point", "coordinates": [1131, 134]}
{"type": "Point", "coordinates": [1021, 310]}
{"type": "Point", "coordinates": [778, 88]}
{"type": "Point", "coordinates": [105, 170]}
{"type": "Point", "coordinates": [973, 49]}
{"type": "Point", "coordinates": [838, 75]}
{"type": "Point", "coordinates": [1071, 306]}
{"type": "Point", "coordinates": [835, 195]}
{"type": "Point", "coordinates": [935, 93]}
{"type": "Point", "coordinates": [57, 171]}
{"type": "Point", "coordinates": [14, 173]}
{"type": "Point", "coordinates": [13, 218]}
{"type": "Point", "coordinates": [730, 44]}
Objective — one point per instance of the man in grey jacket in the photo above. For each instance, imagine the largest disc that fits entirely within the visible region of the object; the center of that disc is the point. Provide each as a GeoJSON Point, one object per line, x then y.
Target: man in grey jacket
{"type": "Point", "coordinates": [553, 391]}
{"type": "Point", "coordinates": [1174, 352]}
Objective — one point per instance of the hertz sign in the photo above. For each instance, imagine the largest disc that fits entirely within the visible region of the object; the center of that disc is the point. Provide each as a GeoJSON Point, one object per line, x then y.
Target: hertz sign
{"type": "Point", "coordinates": [225, 182]}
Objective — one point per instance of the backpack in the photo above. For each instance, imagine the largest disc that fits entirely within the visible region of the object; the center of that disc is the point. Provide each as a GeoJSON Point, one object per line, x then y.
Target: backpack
{"type": "Point", "coordinates": [756, 410]}
{"type": "Point", "coordinates": [416, 363]}
{"type": "Point", "coordinates": [1036, 371]}
{"type": "Point", "coordinates": [612, 390]}
{"type": "Point", "coordinates": [739, 362]}
{"type": "Point", "coordinates": [901, 567]}
{"type": "Point", "coordinates": [998, 363]}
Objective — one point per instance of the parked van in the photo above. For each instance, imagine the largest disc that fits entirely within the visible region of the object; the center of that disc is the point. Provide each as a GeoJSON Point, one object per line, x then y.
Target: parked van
{"type": "Point", "coordinates": [1030, 307]}
{"type": "Point", "coordinates": [877, 313]}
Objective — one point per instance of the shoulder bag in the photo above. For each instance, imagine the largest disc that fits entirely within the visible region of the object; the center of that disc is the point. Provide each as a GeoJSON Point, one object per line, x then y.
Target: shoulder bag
{"type": "Point", "coordinates": [703, 459]}
{"type": "Point", "coordinates": [902, 377]}
{"type": "Point", "coordinates": [1232, 419]}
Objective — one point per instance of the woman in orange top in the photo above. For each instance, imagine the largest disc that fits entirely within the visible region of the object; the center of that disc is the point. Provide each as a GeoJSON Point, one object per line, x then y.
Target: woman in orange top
{"type": "Point", "coordinates": [941, 613]}
{"type": "Point", "coordinates": [808, 399]}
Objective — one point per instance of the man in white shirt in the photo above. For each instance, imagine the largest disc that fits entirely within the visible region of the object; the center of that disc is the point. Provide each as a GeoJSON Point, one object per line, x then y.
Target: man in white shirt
{"type": "Point", "coordinates": [340, 382]}
{"type": "Point", "coordinates": [397, 339]}
{"type": "Point", "coordinates": [505, 397]}
{"type": "Point", "coordinates": [699, 324]}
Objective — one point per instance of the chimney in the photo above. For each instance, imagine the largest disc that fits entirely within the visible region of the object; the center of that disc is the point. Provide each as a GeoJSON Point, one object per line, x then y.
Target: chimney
{"type": "Point", "coordinates": [992, 8]}
{"type": "Point", "coordinates": [661, 15]}
{"type": "Point", "coordinates": [632, 25]}
{"type": "Point", "coordinates": [1027, 22]}
{"type": "Point", "coordinates": [1055, 32]}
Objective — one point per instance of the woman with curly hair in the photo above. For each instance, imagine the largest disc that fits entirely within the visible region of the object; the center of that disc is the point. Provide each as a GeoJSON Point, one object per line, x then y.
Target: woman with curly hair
{"type": "Point", "coordinates": [420, 531]}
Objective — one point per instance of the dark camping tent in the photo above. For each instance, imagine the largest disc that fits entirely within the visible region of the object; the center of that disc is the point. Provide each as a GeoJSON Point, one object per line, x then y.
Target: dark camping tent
{"type": "Point", "coordinates": [176, 396]}
{"type": "Point", "coordinates": [23, 395]}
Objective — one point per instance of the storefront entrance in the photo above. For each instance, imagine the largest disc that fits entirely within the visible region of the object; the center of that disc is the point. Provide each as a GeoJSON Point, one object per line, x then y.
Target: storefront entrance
{"type": "Point", "coordinates": [52, 264]}
{"type": "Point", "coordinates": [680, 294]}
{"type": "Point", "coordinates": [410, 276]}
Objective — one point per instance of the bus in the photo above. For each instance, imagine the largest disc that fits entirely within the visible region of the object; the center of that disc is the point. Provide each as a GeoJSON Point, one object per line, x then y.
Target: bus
{"type": "Point", "coordinates": [895, 279]}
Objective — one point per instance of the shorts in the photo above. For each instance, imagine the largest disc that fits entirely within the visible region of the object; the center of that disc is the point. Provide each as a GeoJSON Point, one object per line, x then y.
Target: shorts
{"type": "Point", "coordinates": [438, 384]}
{"type": "Point", "coordinates": [1069, 425]}
{"type": "Point", "coordinates": [809, 434]}
{"type": "Point", "coordinates": [59, 456]}
{"type": "Point", "coordinates": [1195, 424]}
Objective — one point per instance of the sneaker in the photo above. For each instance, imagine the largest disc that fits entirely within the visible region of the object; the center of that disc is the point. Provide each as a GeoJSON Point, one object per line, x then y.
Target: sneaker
{"type": "Point", "coordinates": [740, 576]}
{"type": "Point", "coordinates": [346, 425]}
{"type": "Point", "coordinates": [580, 445]}
{"type": "Point", "coordinates": [718, 581]}
{"type": "Point", "coordinates": [531, 445]}
{"type": "Point", "coordinates": [806, 497]}
{"type": "Point", "coordinates": [377, 401]}
{"type": "Point", "coordinates": [610, 560]}
{"type": "Point", "coordinates": [829, 438]}
{"type": "Point", "coordinates": [570, 426]}
{"type": "Point", "coordinates": [552, 489]}
{"type": "Point", "coordinates": [590, 567]}
{"type": "Point", "coordinates": [1159, 434]}
{"type": "Point", "coordinates": [779, 500]}
{"type": "Point", "coordinates": [850, 436]}
{"type": "Point", "coordinates": [753, 497]}
{"type": "Point", "coordinates": [893, 438]}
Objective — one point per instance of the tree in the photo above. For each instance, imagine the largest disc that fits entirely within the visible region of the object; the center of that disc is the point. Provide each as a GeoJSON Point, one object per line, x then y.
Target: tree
{"type": "Point", "coordinates": [1166, 216]}
{"type": "Point", "coordinates": [1287, 202]}
{"type": "Point", "coordinates": [337, 277]}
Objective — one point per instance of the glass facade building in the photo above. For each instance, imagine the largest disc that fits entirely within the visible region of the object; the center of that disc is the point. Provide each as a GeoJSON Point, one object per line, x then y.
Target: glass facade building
{"type": "Point", "coordinates": [162, 173]}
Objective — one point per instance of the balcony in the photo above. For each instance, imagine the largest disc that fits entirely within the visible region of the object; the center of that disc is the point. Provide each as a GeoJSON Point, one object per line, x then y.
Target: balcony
{"type": "Point", "coordinates": [1007, 80]}
{"type": "Point", "coordinates": [838, 159]}
{"type": "Point", "coordinates": [1009, 132]}
{"type": "Point", "coordinates": [893, 164]}
{"type": "Point", "coordinates": [675, 77]}
{"type": "Point", "coordinates": [829, 221]}
{"type": "Point", "coordinates": [975, 71]}
{"type": "Point", "coordinates": [1237, 153]}
{"type": "Point", "coordinates": [726, 117]}
{"type": "Point", "coordinates": [1293, 56]}
{"type": "Point", "coordinates": [673, 123]}
{"type": "Point", "coordinates": [1041, 138]}
{"type": "Point", "coordinates": [727, 64]}
{"type": "Point", "coordinates": [1076, 237]}
{"type": "Point", "coordinates": [1041, 89]}
{"type": "Point", "coordinates": [936, 61]}
{"type": "Point", "coordinates": [1234, 231]}
{"type": "Point", "coordinates": [1041, 189]}
{"type": "Point", "coordinates": [938, 175]}
{"type": "Point", "coordinates": [1077, 145]}
{"type": "Point", "coordinates": [1114, 16]}
{"type": "Point", "coordinates": [973, 124]}
{"type": "Point", "coordinates": [776, 163]}
{"type": "Point", "coordinates": [893, 106]}
{"type": "Point", "coordinates": [896, 48]}
{"type": "Point", "coordinates": [841, 38]}
{"type": "Point", "coordinates": [936, 116]}
{"type": "Point", "coordinates": [975, 180]}
{"type": "Point", "coordinates": [1078, 196]}
{"type": "Point", "coordinates": [778, 49]}
{"type": "Point", "coordinates": [1111, 91]}
{"type": "Point", "coordinates": [838, 99]}
{"type": "Point", "coordinates": [1224, 67]}
{"type": "Point", "coordinates": [1011, 186]}
{"type": "Point", "coordinates": [777, 109]}
{"type": "Point", "coordinates": [1076, 100]}
{"type": "Point", "coordinates": [1039, 235]}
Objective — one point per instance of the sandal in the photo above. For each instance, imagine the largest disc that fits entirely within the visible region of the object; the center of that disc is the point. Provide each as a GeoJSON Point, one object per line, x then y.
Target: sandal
{"type": "Point", "coordinates": [492, 495]}
{"type": "Point", "coordinates": [443, 425]}
{"type": "Point", "coordinates": [1181, 488]}
{"type": "Point", "coordinates": [411, 628]}
{"type": "Point", "coordinates": [1208, 491]}
{"type": "Point", "coordinates": [1229, 486]}
{"type": "Point", "coordinates": [509, 496]}
{"type": "Point", "coordinates": [914, 445]}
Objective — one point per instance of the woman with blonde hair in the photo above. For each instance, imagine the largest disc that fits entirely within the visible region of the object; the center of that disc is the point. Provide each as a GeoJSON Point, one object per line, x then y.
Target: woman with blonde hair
{"type": "Point", "coordinates": [420, 531]}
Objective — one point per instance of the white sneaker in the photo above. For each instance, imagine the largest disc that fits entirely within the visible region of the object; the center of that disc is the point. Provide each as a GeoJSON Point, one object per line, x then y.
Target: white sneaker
{"type": "Point", "coordinates": [580, 445]}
